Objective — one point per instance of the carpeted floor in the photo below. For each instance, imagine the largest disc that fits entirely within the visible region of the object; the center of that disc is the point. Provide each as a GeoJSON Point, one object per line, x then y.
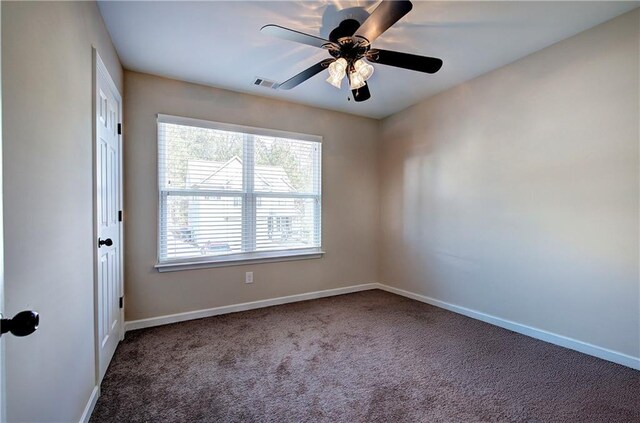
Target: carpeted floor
{"type": "Point", "coordinates": [364, 357]}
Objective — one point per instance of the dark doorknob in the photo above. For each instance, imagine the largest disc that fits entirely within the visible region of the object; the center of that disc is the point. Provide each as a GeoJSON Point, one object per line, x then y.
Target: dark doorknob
{"type": "Point", "coordinates": [106, 242]}
{"type": "Point", "coordinates": [22, 324]}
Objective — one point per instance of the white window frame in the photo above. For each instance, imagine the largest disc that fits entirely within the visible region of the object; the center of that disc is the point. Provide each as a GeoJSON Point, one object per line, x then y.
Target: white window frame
{"type": "Point", "coordinates": [248, 203]}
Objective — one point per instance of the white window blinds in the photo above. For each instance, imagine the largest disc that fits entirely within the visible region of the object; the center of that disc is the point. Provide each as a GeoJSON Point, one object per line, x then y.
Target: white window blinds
{"type": "Point", "coordinates": [231, 193]}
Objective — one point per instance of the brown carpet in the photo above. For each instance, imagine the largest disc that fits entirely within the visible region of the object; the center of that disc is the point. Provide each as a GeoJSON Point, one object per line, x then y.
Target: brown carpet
{"type": "Point", "coordinates": [364, 357]}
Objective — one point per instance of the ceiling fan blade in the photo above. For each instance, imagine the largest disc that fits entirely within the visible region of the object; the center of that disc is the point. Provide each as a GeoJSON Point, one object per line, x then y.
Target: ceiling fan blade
{"type": "Point", "coordinates": [361, 94]}
{"type": "Point", "coordinates": [405, 60]}
{"type": "Point", "coordinates": [296, 36]}
{"type": "Point", "coordinates": [304, 75]}
{"type": "Point", "coordinates": [386, 14]}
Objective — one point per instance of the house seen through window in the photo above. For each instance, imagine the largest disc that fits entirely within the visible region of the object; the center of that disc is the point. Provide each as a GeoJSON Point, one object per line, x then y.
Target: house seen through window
{"type": "Point", "coordinates": [230, 192]}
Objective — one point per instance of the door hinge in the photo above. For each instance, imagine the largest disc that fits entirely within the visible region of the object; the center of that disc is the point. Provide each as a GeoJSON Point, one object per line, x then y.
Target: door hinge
{"type": "Point", "coordinates": [119, 215]}
{"type": "Point", "coordinates": [119, 129]}
{"type": "Point", "coordinates": [121, 302]}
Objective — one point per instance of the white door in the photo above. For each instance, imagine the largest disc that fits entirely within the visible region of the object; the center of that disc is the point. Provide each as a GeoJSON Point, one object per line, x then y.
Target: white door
{"type": "Point", "coordinates": [108, 226]}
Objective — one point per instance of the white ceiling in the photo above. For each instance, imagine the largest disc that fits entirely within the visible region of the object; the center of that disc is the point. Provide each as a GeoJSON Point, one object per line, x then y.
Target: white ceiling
{"type": "Point", "coordinates": [220, 44]}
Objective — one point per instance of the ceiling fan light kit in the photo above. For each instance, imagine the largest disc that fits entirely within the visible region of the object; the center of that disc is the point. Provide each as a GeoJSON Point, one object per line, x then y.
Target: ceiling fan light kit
{"type": "Point", "coordinates": [359, 72]}
{"type": "Point", "coordinates": [350, 44]}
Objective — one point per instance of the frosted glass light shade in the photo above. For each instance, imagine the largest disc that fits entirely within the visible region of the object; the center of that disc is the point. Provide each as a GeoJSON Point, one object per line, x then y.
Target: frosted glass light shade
{"type": "Point", "coordinates": [337, 71]}
{"type": "Point", "coordinates": [356, 80]}
{"type": "Point", "coordinates": [363, 68]}
{"type": "Point", "coordinates": [335, 80]}
{"type": "Point", "coordinates": [338, 68]}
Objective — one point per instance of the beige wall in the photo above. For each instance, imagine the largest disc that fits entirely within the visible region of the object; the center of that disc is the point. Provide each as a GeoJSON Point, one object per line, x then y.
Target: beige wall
{"type": "Point", "coordinates": [350, 200]}
{"type": "Point", "coordinates": [516, 194]}
{"type": "Point", "coordinates": [47, 134]}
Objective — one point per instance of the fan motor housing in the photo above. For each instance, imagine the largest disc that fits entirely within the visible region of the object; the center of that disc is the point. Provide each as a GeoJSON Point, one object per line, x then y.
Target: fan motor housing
{"type": "Point", "coordinates": [350, 48]}
{"type": "Point", "coordinates": [347, 28]}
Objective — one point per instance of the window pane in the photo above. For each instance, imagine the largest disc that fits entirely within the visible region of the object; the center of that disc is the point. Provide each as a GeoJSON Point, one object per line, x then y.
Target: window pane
{"type": "Point", "coordinates": [199, 158]}
{"type": "Point", "coordinates": [286, 223]}
{"type": "Point", "coordinates": [198, 226]}
{"type": "Point", "coordinates": [220, 191]}
{"type": "Point", "coordinates": [285, 165]}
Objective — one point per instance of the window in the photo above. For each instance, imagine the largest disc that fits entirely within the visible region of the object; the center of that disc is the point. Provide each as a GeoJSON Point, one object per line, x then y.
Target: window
{"type": "Point", "coordinates": [229, 194]}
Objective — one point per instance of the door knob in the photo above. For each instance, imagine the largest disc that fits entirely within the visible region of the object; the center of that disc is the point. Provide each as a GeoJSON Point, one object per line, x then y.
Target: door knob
{"type": "Point", "coordinates": [106, 242]}
{"type": "Point", "coordinates": [22, 324]}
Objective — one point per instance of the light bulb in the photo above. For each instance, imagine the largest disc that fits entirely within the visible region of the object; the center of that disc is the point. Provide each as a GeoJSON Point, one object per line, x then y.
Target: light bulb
{"type": "Point", "coordinates": [335, 80]}
{"type": "Point", "coordinates": [356, 80]}
{"type": "Point", "coordinates": [363, 68]}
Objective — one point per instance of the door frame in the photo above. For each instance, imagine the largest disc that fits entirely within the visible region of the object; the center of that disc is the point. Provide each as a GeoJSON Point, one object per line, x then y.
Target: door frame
{"type": "Point", "coordinates": [3, 383]}
{"type": "Point", "coordinates": [99, 68]}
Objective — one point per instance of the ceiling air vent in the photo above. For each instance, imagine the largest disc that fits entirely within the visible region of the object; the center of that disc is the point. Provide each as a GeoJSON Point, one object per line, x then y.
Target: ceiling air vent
{"type": "Point", "coordinates": [265, 83]}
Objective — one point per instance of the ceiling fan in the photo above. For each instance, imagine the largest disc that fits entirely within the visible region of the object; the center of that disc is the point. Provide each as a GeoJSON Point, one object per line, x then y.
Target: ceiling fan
{"type": "Point", "coordinates": [350, 47]}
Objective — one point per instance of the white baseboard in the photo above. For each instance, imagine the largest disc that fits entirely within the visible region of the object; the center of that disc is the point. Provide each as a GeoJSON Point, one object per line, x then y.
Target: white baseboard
{"type": "Point", "coordinates": [543, 335]}
{"type": "Point", "coordinates": [199, 314]}
{"type": "Point", "coordinates": [91, 404]}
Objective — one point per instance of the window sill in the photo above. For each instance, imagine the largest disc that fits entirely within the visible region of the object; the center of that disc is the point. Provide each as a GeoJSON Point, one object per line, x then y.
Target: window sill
{"type": "Point", "coordinates": [240, 259]}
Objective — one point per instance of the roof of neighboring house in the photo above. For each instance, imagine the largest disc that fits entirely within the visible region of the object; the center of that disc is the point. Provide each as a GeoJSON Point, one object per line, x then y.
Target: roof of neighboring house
{"type": "Point", "coordinates": [228, 176]}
